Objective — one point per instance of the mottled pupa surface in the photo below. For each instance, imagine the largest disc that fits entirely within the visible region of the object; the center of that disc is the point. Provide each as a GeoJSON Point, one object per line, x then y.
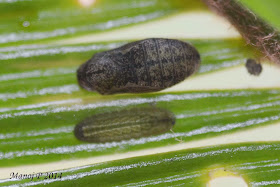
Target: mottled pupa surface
{"type": "Point", "coordinates": [253, 67]}
{"type": "Point", "coordinates": [143, 66]}
{"type": "Point", "coordinates": [125, 124]}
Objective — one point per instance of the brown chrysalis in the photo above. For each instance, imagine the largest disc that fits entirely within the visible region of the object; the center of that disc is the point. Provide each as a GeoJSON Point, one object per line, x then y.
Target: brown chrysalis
{"type": "Point", "coordinates": [142, 66]}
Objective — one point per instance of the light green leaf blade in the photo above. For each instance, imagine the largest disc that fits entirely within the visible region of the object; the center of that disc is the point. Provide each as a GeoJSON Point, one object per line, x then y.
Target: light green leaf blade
{"type": "Point", "coordinates": [257, 164]}
{"type": "Point", "coordinates": [45, 20]}
{"type": "Point", "coordinates": [40, 101]}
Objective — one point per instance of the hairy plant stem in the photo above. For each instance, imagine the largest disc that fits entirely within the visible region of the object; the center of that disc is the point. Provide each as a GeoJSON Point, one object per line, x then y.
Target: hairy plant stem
{"type": "Point", "coordinates": [253, 29]}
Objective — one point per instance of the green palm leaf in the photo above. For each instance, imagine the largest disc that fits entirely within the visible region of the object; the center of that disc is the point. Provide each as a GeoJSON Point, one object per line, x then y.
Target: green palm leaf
{"type": "Point", "coordinates": [218, 119]}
